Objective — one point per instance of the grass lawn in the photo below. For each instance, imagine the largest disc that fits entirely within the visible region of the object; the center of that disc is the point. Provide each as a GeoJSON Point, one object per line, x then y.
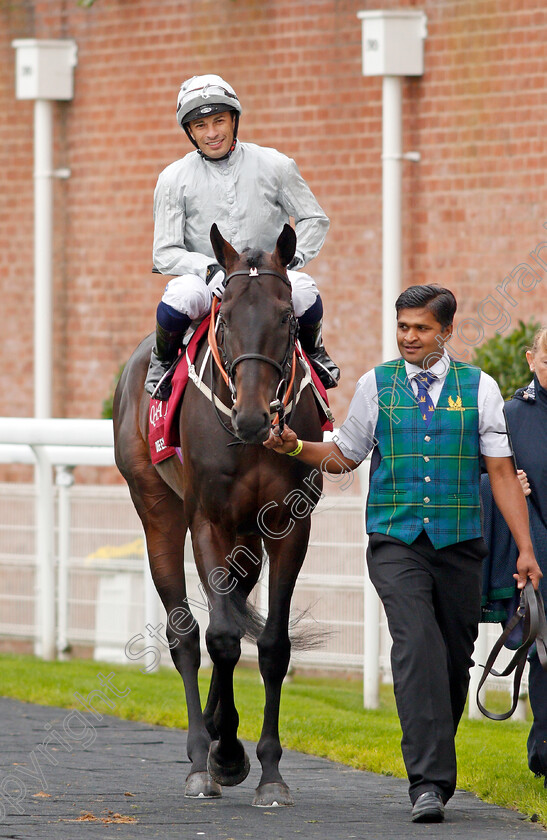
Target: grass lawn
{"type": "Point", "coordinates": [322, 717]}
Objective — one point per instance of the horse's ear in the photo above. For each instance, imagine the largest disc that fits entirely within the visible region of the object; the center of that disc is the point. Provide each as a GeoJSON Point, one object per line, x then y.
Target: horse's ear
{"type": "Point", "coordinates": [223, 250]}
{"type": "Point", "coordinates": [286, 245]}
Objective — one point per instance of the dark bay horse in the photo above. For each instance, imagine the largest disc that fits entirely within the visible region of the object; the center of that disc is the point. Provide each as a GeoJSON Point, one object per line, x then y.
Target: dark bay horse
{"type": "Point", "coordinates": [237, 498]}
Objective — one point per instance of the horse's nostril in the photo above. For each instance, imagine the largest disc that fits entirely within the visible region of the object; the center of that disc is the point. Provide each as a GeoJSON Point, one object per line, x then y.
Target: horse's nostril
{"type": "Point", "coordinates": [252, 427]}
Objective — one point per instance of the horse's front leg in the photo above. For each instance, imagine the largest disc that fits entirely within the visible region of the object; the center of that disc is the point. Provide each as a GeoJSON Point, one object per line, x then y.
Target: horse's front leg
{"type": "Point", "coordinates": [274, 650]}
{"type": "Point", "coordinates": [249, 566]}
{"type": "Point", "coordinates": [228, 763]}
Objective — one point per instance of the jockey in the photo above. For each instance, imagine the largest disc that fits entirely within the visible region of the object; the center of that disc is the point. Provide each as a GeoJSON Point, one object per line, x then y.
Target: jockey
{"type": "Point", "coordinates": [250, 191]}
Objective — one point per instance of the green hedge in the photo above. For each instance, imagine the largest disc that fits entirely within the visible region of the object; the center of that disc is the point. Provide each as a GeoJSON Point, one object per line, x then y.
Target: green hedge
{"type": "Point", "coordinates": [106, 411]}
{"type": "Point", "coordinates": [503, 357]}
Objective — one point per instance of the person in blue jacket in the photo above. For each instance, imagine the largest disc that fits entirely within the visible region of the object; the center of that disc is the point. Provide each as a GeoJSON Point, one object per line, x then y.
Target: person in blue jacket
{"type": "Point", "coordinates": [526, 416]}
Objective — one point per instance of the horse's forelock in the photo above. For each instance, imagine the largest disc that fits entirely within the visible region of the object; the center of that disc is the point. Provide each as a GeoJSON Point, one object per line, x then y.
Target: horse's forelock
{"type": "Point", "coordinates": [253, 257]}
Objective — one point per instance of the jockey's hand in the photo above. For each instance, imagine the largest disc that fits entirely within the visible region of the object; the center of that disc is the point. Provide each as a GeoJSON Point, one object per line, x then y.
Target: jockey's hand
{"type": "Point", "coordinates": [282, 443]}
{"type": "Point", "coordinates": [524, 483]}
{"type": "Point", "coordinates": [215, 279]}
{"type": "Point", "coordinates": [296, 262]}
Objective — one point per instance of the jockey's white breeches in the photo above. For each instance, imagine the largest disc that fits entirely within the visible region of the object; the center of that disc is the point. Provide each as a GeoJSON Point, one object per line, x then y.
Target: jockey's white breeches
{"type": "Point", "coordinates": [192, 296]}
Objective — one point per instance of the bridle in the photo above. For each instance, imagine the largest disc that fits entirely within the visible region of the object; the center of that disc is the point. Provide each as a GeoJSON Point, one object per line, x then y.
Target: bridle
{"type": "Point", "coordinates": [286, 368]}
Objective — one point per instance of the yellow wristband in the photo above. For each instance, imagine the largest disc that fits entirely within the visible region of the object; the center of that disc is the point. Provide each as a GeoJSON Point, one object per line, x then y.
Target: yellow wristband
{"type": "Point", "coordinates": [298, 449]}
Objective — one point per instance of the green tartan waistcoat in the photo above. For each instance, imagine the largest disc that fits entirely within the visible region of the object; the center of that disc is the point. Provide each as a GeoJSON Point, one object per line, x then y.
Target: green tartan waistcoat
{"type": "Point", "coordinates": [426, 478]}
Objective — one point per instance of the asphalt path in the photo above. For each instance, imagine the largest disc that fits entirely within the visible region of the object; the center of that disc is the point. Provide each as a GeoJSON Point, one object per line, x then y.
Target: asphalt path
{"type": "Point", "coordinates": [68, 775]}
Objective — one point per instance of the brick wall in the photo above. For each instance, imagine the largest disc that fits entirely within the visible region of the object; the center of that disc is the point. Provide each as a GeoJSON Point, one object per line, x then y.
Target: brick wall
{"type": "Point", "coordinates": [474, 208]}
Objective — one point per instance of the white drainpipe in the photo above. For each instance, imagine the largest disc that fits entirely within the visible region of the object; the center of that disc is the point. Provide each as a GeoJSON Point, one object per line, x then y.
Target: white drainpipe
{"type": "Point", "coordinates": [392, 245]}
{"type": "Point", "coordinates": [43, 255]}
{"type": "Point", "coordinates": [392, 215]}
{"type": "Point", "coordinates": [392, 48]}
{"type": "Point", "coordinates": [44, 73]}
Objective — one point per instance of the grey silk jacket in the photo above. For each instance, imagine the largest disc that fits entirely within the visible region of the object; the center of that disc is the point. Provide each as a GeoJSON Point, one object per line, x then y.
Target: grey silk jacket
{"type": "Point", "coordinates": [250, 196]}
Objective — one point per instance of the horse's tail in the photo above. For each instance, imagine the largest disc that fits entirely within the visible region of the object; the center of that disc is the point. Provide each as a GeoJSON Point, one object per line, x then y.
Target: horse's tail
{"type": "Point", "coordinates": [305, 632]}
{"type": "Point", "coordinates": [248, 619]}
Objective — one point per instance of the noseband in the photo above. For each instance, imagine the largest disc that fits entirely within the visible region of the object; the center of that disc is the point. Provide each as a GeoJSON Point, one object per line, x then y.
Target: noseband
{"type": "Point", "coordinates": [287, 367]}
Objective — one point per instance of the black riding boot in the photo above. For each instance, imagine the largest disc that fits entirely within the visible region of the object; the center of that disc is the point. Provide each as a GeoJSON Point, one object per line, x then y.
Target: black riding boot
{"type": "Point", "coordinates": [312, 343]}
{"type": "Point", "coordinates": [161, 360]}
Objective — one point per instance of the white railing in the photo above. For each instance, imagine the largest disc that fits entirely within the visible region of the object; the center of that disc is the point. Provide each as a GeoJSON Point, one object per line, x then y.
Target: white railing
{"type": "Point", "coordinates": [65, 443]}
{"type": "Point", "coordinates": [335, 562]}
{"type": "Point", "coordinates": [37, 436]}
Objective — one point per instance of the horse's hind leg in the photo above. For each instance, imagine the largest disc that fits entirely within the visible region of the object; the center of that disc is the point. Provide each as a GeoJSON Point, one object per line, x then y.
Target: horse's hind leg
{"type": "Point", "coordinates": [162, 515]}
{"type": "Point", "coordinates": [274, 650]}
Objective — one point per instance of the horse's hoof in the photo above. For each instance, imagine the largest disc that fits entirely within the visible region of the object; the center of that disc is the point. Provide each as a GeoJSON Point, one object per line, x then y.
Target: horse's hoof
{"type": "Point", "coordinates": [200, 784]}
{"type": "Point", "coordinates": [227, 773]}
{"type": "Point", "coordinates": [272, 794]}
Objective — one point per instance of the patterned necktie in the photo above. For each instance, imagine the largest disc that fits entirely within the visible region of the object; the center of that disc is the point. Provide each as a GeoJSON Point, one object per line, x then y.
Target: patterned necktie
{"type": "Point", "coordinates": [425, 403]}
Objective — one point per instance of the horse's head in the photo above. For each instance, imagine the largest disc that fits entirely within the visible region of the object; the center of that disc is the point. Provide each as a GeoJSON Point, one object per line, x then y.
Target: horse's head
{"type": "Point", "coordinates": [256, 330]}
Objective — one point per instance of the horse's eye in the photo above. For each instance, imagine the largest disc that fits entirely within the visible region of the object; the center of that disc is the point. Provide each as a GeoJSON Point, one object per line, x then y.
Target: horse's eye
{"type": "Point", "coordinates": [285, 317]}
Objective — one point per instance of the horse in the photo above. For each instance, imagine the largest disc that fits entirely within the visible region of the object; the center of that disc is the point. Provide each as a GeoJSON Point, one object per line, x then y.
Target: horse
{"type": "Point", "coordinates": [237, 498]}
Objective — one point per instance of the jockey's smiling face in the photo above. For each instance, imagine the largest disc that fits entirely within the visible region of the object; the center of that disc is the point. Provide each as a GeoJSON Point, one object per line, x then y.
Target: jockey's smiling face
{"type": "Point", "coordinates": [420, 337]}
{"type": "Point", "coordinates": [214, 134]}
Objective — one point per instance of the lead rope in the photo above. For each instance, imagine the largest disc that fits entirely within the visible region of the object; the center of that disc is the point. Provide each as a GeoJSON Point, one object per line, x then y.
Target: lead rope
{"type": "Point", "coordinates": [534, 629]}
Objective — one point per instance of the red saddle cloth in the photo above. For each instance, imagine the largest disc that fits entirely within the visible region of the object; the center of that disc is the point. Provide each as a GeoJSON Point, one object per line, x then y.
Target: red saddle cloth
{"type": "Point", "coordinates": [163, 435]}
{"type": "Point", "coordinates": [163, 432]}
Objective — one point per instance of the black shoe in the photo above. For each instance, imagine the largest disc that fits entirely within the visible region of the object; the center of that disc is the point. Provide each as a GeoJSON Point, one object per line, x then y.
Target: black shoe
{"type": "Point", "coordinates": [163, 356]}
{"type": "Point", "coordinates": [428, 808]}
{"type": "Point", "coordinates": [158, 377]}
{"type": "Point", "coordinates": [537, 758]}
{"type": "Point", "coordinates": [312, 343]}
{"type": "Point", "coordinates": [326, 370]}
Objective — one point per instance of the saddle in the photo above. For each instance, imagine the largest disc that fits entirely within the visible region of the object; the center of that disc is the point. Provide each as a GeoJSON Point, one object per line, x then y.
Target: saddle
{"type": "Point", "coordinates": [163, 434]}
{"type": "Point", "coordinates": [531, 612]}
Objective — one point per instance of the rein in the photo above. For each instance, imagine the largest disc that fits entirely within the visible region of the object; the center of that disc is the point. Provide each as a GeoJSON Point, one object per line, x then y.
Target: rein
{"type": "Point", "coordinates": [534, 629]}
{"type": "Point", "coordinates": [284, 389]}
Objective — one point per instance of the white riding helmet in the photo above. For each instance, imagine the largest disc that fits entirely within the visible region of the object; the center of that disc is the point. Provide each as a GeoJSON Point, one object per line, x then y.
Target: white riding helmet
{"type": "Point", "coordinates": [204, 95]}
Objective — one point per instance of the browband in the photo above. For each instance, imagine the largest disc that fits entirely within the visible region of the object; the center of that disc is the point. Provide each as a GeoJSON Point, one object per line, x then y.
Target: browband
{"type": "Point", "coordinates": [256, 272]}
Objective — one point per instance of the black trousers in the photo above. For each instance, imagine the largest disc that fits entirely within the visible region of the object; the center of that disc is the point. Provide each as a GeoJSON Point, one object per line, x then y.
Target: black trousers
{"type": "Point", "coordinates": [432, 602]}
{"type": "Point", "coordinates": [537, 739]}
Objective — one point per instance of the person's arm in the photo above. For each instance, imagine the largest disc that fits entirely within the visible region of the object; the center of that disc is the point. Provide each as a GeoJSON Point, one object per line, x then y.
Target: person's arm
{"type": "Point", "coordinates": [170, 254]}
{"type": "Point", "coordinates": [310, 222]}
{"type": "Point", "coordinates": [509, 497]}
{"type": "Point", "coordinates": [324, 455]}
{"type": "Point", "coordinates": [355, 437]}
